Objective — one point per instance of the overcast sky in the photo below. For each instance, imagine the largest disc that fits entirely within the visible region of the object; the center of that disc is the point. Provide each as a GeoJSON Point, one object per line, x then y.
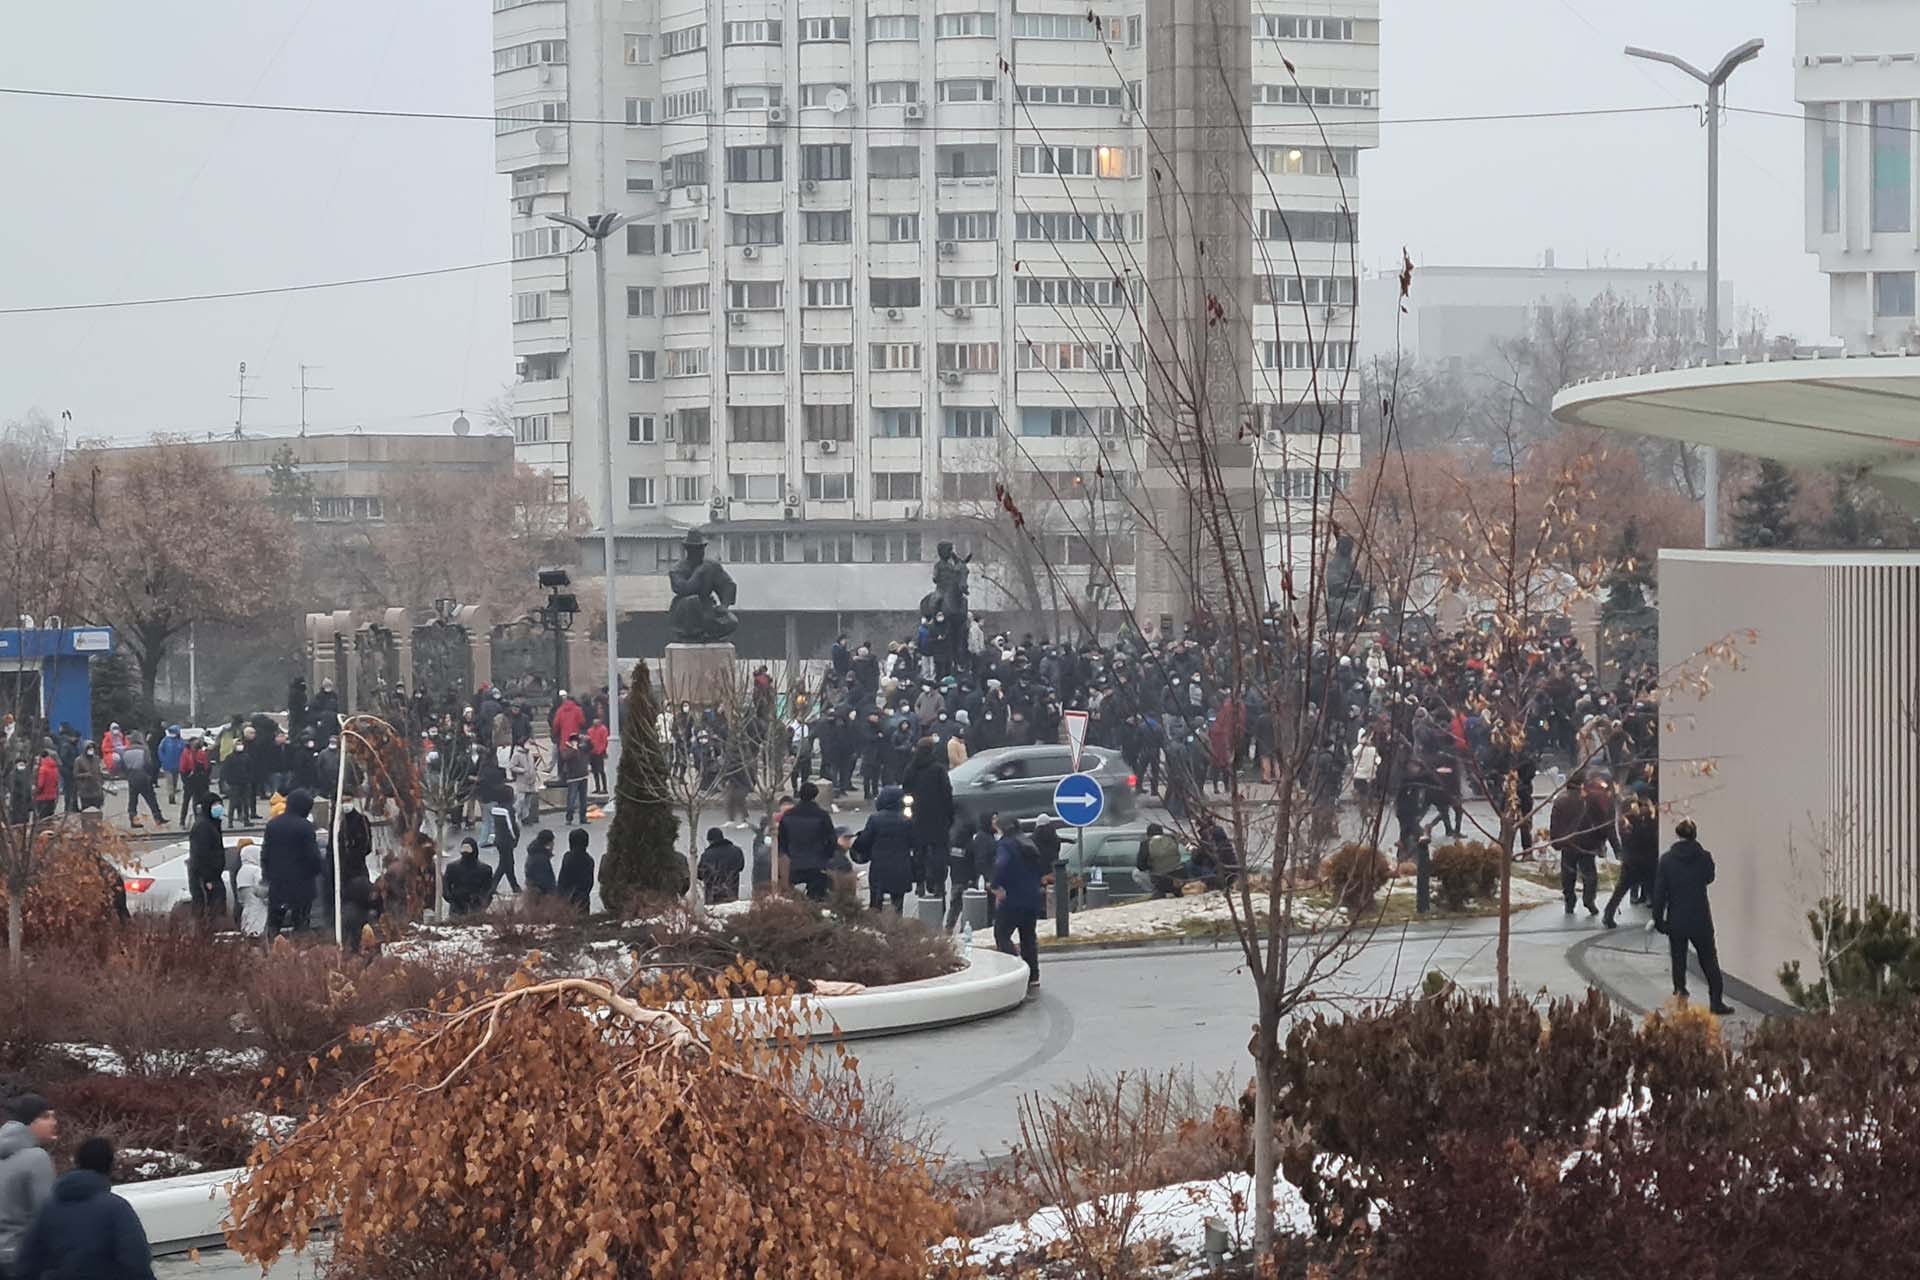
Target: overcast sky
{"type": "Point", "coordinates": [111, 201]}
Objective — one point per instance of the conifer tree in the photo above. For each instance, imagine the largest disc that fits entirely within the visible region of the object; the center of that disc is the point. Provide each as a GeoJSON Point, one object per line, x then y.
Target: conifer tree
{"type": "Point", "coordinates": [642, 856]}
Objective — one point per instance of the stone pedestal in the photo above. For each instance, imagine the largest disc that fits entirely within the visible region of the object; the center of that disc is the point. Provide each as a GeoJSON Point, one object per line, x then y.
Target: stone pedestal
{"type": "Point", "coordinates": [698, 673]}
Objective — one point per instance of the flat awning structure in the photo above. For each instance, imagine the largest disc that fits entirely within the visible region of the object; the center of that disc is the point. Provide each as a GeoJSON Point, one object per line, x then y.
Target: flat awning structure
{"type": "Point", "coordinates": [1846, 411]}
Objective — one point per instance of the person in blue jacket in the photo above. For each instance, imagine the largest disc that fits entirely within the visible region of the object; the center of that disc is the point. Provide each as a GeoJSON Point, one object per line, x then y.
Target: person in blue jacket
{"type": "Point", "coordinates": [1017, 893]}
{"type": "Point", "coordinates": [86, 1230]}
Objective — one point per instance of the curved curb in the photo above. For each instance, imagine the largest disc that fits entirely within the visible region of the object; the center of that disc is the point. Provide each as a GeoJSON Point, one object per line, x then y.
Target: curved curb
{"type": "Point", "coordinates": [189, 1212]}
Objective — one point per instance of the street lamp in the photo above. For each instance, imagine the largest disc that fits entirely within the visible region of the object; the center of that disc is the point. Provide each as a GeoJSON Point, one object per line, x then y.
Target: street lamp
{"type": "Point", "coordinates": [1715, 81]}
{"type": "Point", "coordinates": [596, 228]}
{"type": "Point", "coordinates": [556, 616]}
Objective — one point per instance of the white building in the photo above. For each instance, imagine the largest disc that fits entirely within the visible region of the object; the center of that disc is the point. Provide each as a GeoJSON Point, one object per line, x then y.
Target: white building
{"type": "Point", "coordinates": [1462, 313]}
{"type": "Point", "coordinates": [887, 256]}
{"type": "Point", "coordinates": [1857, 72]}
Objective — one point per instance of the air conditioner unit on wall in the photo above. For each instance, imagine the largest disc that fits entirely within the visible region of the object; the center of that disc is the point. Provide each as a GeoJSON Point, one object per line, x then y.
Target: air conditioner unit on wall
{"type": "Point", "coordinates": [915, 111]}
{"type": "Point", "coordinates": [829, 446]}
{"type": "Point", "coordinates": [776, 115]}
{"type": "Point", "coordinates": [696, 194]}
{"type": "Point", "coordinates": [950, 376]}
{"type": "Point", "coordinates": [893, 313]}
{"type": "Point", "coordinates": [748, 251]}
{"type": "Point", "coordinates": [963, 313]}
{"type": "Point", "coordinates": [948, 248]}
{"type": "Point", "coordinates": [793, 498]}
{"type": "Point", "coordinates": [738, 319]}
{"type": "Point", "coordinates": [810, 185]}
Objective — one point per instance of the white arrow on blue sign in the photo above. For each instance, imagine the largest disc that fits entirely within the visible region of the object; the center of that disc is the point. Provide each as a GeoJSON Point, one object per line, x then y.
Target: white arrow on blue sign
{"type": "Point", "coordinates": [1078, 799]}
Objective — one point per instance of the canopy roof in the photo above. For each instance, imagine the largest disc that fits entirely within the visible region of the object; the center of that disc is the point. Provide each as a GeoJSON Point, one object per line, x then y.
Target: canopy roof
{"type": "Point", "coordinates": [1845, 411]}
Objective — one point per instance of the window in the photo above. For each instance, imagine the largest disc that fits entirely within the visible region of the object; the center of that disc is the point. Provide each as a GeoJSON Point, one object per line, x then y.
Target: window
{"type": "Point", "coordinates": [752, 97]}
{"type": "Point", "coordinates": [966, 486]}
{"type": "Point", "coordinates": [1893, 294]}
{"type": "Point", "coordinates": [689, 235]}
{"type": "Point", "coordinates": [1329, 226]}
{"type": "Point", "coordinates": [1322, 291]}
{"type": "Point", "coordinates": [757, 548]}
{"type": "Point", "coordinates": [542, 366]}
{"type": "Point", "coordinates": [688, 169]}
{"type": "Point", "coordinates": [688, 362]}
{"type": "Point", "coordinates": [756, 360]}
{"type": "Point", "coordinates": [814, 30]}
{"type": "Point", "coordinates": [1078, 356]}
{"type": "Point", "coordinates": [753, 164]}
{"type": "Point", "coordinates": [1316, 162]}
{"type": "Point", "coordinates": [893, 162]}
{"type": "Point", "coordinates": [827, 421]}
{"type": "Point", "coordinates": [334, 508]}
{"type": "Point", "coordinates": [640, 366]}
{"type": "Point", "coordinates": [969, 424]}
{"type": "Point", "coordinates": [893, 26]}
{"type": "Point", "coordinates": [758, 488]}
{"type": "Point", "coordinates": [1306, 355]}
{"type": "Point", "coordinates": [761, 31]}
{"type": "Point", "coordinates": [640, 428]}
{"type": "Point", "coordinates": [1055, 422]}
{"type": "Point", "coordinates": [640, 176]}
{"type": "Point", "coordinates": [896, 486]}
{"type": "Point", "coordinates": [973, 160]}
{"type": "Point", "coordinates": [1892, 166]}
{"type": "Point", "coordinates": [529, 115]}
{"type": "Point", "coordinates": [639, 110]}
{"type": "Point", "coordinates": [890, 356]}
{"type": "Point", "coordinates": [895, 548]}
{"type": "Point", "coordinates": [640, 301]}
{"type": "Point", "coordinates": [687, 300]}
{"type": "Point", "coordinates": [964, 90]}
{"type": "Point", "coordinates": [535, 54]}
{"type": "Point", "coordinates": [1072, 95]}
{"type": "Point", "coordinates": [820, 93]}
{"type": "Point", "coordinates": [753, 295]}
{"type": "Point", "coordinates": [966, 226]}
{"type": "Point", "coordinates": [691, 426]}
{"type": "Point", "coordinates": [1074, 291]}
{"type": "Point", "coordinates": [967, 291]}
{"type": "Point", "coordinates": [640, 237]}
{"type": "Point", "coordinates": [527, 182]}
{"type": "Point", "coordinates": [685, 40]}
{"type": "Point", "coordinates": [1077, 226]}
{"type": "Point", "coordinates": [948, 25]}
{"type": "Point", "coordinates": [1303, 484]}
{"type": "Point", "coordinates": [689, 488]}
{"type": "Point", "coordinates": [754, 228]}
{"type": "Point", "coordinates": [818, 357]}
{"type": "Point", "coordinates": [834, 486]}
{"type": "Point", "coordinates": [535, 428]}
{"type": "Point", "coordinates": [827, 292]}
{"type": "Point", "coordinates": [530, 306]}
{"type": "Point", "coordinates": [830, 162]}
{"type": "Point", "coordinates": [894, 291]}
{"type": "Point", "coordinates": [1309, 95]}
{"type": "Point", "coordinates": [636, 48]}
{"type": "Point", "coordinates": [1068, 26]}
{"type": "Point", "coordinates": [826, 226]}
{"type": "Point", "coordinates": [893, 228]}
{"type": "Point", "coordinates": [1271, 26]}
{"type": "Point", "coordinates": [1829, 170]}
{"type": "Point", "coordinates": [896, 424]}
{"type": "Point", "coordinates": [640, 491]}
{"type": "Point", "coordinates": [756, 424]}
{"type": "Point", "coordinates": [974, 357]}
{"type": "Point", "coordinates": [826, 548]}
{"type": "Point", "coordinates": [883, 93]}
{"type": "Point", "coordinates": [687, 102]}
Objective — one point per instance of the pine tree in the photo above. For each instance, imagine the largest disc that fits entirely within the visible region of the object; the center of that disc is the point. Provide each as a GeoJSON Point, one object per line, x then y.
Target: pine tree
{"type": "Point", "coordinates": [642, 854]}
{"type": "Point", "coordinates": [1628, 582]}
{"type": "Point", "coordinates": [1851, 523]}
{"type": "Point", "coordinates": [1763, 517]}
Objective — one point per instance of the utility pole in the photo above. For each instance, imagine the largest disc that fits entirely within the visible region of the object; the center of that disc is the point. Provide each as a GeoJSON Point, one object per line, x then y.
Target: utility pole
{"type": "Point", "coordinates": [303, 388]}
{"type": "Point", "coordinates": [242, 396]}
{"type": "Point", "coordinates": [1716, 82]}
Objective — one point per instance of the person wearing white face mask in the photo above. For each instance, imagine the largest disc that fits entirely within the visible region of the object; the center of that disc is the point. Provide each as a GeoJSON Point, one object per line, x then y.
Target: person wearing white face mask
{"type": "Point", "coordinates": [207, 863]}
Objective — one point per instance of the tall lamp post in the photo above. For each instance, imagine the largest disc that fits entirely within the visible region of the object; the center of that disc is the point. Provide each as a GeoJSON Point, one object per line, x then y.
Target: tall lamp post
{"type": "Point", "coordinates": [1715, 81]}
{"type": "Point", "coordinates": [596, 228]}
{"type": "Point", "coordinates": [556, 617]}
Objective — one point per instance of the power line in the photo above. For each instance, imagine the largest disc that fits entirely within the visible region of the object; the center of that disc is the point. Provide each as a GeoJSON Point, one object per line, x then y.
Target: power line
{"type": "Point", "coordinates": [710, 126]}
{"type": "Point", "coordinates": [252, 293]}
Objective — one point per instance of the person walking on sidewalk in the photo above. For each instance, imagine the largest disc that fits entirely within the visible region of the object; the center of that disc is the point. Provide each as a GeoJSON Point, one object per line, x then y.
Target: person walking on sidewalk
{"type": "Point", "coordinates": [26, 1171]}
{"type": "Point", "coordinates": [1018, 894]}
{"type": "Point", "coordinates": [1681, 911]}
{"type": "Point", "coordinates": [575, 764]}
{"type": "Point", "coordinates": [86, 1230]}
{"type": "Point", "coordinates": [1639, 853]}
{"type": "Point", "coordinates": [137, 767]}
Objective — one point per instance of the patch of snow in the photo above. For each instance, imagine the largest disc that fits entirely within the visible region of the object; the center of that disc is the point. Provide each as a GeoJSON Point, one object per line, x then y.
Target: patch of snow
{"type": "Point", "coordinates": [447, 943]}
{"type": "Point", "coordinates": [154, 1163]}
{"type": "Point", "coordinates": [106, 1062]}
{"type": "Point", "coordinates": [262, 1125]}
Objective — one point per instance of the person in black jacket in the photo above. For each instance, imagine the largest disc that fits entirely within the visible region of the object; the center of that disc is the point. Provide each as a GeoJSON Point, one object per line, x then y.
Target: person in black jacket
{"type": "Point", "coordinates": [721, 863]}
{"type": "Point", "coordinates": [887, 842]}
{"type": "Point", "coordinates": [576, 871]}
{"type": "Point", "coordinates": [540, 879]}
{"type": "Point", "coordinates": [207, 863]}
{"type": "Point", "coordinates": [467, 885]}
{"type": "Point", "coordinates": [86, 1230]}
{"type": "Point", "coordinates": [1639, 854]}
{"type": "Point", "coordinates": [931, 791]}
{"type": "Point", "coordinates": [290, 863]}
{"type": "Point", "coordinates": [806, 841]}
{"type": "Point", "coordinates": [970, 857]}
{"type": "Point", "coordinates": [1681, 911]}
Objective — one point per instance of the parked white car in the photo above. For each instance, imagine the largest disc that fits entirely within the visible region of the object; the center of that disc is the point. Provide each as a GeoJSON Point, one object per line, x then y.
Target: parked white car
{"type": "Point", "coordinates": [159, 883]}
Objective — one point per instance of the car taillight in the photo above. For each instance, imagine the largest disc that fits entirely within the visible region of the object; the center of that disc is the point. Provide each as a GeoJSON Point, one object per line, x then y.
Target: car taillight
{"type": "Point", "coordinates": [1133, 780]}
{"type": "Point", "coordinates": [139, 884]}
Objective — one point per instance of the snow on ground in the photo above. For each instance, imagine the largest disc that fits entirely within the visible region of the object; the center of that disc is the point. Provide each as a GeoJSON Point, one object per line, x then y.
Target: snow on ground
{"type": "Point", "coordinates": [447, 944]}
{"type": "Point", "coordinates": [104, 1061]}
{"type": "Point", "coordinates": [260, 1125]}
{"type": "Point", "coordinates": [1176, 1215]}
{"type": "Point", "coordinates": [1172, 917]}
{"type": "Point", "coordinates": [150, 1162]}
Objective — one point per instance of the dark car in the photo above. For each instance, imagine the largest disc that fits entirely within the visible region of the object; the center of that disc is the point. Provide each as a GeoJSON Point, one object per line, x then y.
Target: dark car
{"type": "Point", "coordinates": [1018, 782]}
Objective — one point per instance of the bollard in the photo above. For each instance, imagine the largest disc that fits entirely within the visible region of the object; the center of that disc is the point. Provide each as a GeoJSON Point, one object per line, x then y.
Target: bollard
{"type": "Point", "coordinates": [974, 908]}
{"type": "Point", "coordinates": [1062, 898]}
{"type": "Point", "coordinates": [1098, 893]}
{"type": "Point", "coordinates": [1422, 864]}
{"type": "Point", "coordinates": [930, 911]}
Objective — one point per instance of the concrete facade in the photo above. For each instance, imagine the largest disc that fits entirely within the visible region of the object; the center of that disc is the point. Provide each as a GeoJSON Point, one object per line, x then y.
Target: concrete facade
{"type": "Point", "coordinates": [1801, 764]}
{"type": "Point", "coordinates": [1857, 73]}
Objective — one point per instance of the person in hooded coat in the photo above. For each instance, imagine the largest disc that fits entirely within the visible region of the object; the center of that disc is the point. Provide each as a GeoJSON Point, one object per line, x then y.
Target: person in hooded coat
{"type": "Point", "coordinates": [931, 790]}
{"type": "Point", "coordinates": [540, 878]}
{"type": "Point", "coordinates": [207, 863]}
{"type": "Point", "coordinates": [467, 885]}
{"type": "Point", "coordinates": [86, 1232]}
{"type": "Point", "coordinates": [576, 871]}
{"type": "Point", "coordinates": [721, 863]}
{"type": "Point", "coordinates": [290, 863]}
{"type": "Point", "coordinates": [26, 1171]}
{"type": "Point", "coordinates": [1681, 911]}
{"type": "Point", "coordinates": [887, 841]}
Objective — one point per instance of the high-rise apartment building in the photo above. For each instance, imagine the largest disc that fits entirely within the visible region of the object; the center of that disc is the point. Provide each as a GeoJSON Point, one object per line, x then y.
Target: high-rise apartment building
{"type": "Point", "coordinates": [1857, 73]}
{"type": "Point", "coordinates": [888, 261]}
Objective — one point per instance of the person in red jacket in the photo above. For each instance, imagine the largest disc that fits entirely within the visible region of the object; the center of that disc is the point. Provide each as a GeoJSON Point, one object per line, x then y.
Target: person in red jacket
{"type": "Point", "coordinates": [597, 743]}
{"type": "Point", "coordinates": [569, 718]}
{"type": "Point", "coordinates": [46, 783]}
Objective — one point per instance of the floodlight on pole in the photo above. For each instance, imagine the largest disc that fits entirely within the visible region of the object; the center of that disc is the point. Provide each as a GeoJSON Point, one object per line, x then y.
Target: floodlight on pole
{"type": "Point", "coordinates": [596, 228]}
{"type": "Point", "coordinates": [1715, 81]}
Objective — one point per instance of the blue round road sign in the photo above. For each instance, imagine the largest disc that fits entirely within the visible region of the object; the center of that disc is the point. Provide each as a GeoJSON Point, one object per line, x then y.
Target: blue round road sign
{"type": "Point", "coordinates": [1079, 800]}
